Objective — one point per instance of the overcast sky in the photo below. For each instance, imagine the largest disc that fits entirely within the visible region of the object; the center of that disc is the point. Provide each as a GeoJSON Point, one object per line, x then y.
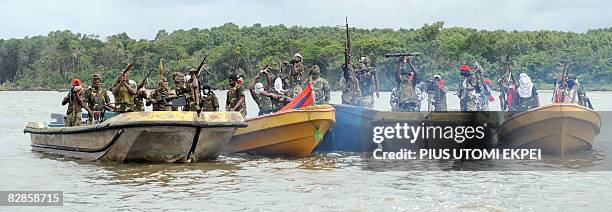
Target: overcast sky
{"type": "Point", "coordinates": [142, 19]}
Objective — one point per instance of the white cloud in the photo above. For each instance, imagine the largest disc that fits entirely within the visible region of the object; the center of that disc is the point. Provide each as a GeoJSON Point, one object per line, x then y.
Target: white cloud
{"type": "Point", "coordinates": [142, 19]}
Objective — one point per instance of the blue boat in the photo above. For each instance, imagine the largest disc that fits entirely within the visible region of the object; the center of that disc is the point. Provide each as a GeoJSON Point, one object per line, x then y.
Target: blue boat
{"type": "Point", "coordinates": [352, 131]}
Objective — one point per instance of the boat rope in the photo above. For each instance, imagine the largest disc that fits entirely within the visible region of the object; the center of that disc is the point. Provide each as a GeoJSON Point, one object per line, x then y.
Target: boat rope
{"type": "Point", "coordinates": [317, 134]}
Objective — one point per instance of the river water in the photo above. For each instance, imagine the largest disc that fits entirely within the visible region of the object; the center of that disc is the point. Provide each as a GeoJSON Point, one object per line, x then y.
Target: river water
{"type": "Point", "coordinates": [320, 182]}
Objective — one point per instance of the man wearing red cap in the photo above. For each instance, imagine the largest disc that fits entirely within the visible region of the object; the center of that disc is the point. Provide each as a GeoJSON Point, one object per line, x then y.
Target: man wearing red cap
{"type": "Point", "coordinates": [467, 89]}
{"type": "Point", "coordinates": [75, 103]}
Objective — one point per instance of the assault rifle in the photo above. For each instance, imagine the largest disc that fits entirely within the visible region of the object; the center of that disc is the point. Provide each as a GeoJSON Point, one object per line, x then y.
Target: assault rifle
{"type": "Point", "coordinates": [174, 101]}
{"type": "Point", "coordinates": [194, 90]}
{"type": "Point", "coordinates": [142, 83]}
{"type": "Point", "coordinates": [125, 71]}
{"type": "Point", "coordinates": [347, 46]}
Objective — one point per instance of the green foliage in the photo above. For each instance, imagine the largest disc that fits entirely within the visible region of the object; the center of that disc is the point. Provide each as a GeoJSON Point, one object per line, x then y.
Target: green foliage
{"type": "Point", "coordinates": [51, 61]}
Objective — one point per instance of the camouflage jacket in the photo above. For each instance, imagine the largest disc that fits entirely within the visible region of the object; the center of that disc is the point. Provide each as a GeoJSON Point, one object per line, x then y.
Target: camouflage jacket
{"type": "Point", "coordinates": [321, 90]}
{"type": "Point", "coordinates": [209, 102]}
{"type": "Point", "coordinates": [406, 92]}
{"type": "Point", "coordinates": [96, 100]}
{"type": "Point", "coordinates": [366, 75]}
{"type": "Point", "coordinates": [233, 95]}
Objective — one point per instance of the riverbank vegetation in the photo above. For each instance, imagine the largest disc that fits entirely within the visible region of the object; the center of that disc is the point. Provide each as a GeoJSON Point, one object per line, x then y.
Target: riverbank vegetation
{"type": "Point", "coordinates": [49, 62]}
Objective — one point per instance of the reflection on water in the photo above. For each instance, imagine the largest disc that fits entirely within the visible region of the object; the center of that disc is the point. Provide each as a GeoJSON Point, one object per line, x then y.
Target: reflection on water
{"type": "Point", "coordinates": [329, 181]}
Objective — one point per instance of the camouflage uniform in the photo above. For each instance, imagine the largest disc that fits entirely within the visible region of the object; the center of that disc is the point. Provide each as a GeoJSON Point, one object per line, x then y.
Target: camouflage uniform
{"type": "Point", "coordinates": [320, 86]}
{"type": "Point", "coordinates": [366, 77]}
{"type": "Point", "coordinates": [73, 114]}
{"type": "Point", "coordinates": [209, 102]}
{"type": "Point", "coordinates": [124, 101]}
{"type": "Point", "coordinates": [467, 93]}
{"type": "Point", "coordinates": [263, 102]}
{"type": "Point", "coordinates": [183, 90]}
{"type": "Point", "coordinates": [483, 98]}
{"type": "Point", "coordinates": [157, 94]}
{"type": "Point", "coordinates": [96, 100]}
{"type": "Point", "coordinates": [276, 103]}
{"type": "Point", "coordinates": [351, 93]}
{"type": "Point", "coordinates": [407, 98]}
{"type": "Point", "coordinates": [295, 78]}
{"type": "Point", "coordinates": [233, 95]}
{"type": "Point", "coordinates": [138, 102]}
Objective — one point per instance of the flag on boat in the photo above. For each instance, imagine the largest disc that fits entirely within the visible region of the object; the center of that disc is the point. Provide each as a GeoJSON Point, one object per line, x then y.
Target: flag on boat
{"type": "Point", "coordinates": [305, 98]}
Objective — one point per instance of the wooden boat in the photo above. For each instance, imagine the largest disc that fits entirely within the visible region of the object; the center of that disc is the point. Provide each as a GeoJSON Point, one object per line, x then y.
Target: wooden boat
{"type": "Point", "coordinates": [556, 129]}
{"type": "Point", "coordinates": [160, 136]}
{"type": "Point", "coordinates": [352, 132]}
{"type": "Point", "coordinates": [287, 133]}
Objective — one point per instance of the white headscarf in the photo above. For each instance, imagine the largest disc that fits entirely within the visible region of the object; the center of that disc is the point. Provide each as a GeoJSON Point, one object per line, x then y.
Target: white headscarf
{"type": "Point", "coordinates": [259, 88]}
{"type": "Point", "coordinates": [278, 84]}
{"type": "Point", "coordinates": [525, 86]}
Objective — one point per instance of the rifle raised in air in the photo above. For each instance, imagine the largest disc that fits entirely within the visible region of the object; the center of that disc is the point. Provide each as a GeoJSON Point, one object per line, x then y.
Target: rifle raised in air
{"type": "Point", "coordinates": [142, 83]}
{"type": "Point", "coordinates": [347, 46]}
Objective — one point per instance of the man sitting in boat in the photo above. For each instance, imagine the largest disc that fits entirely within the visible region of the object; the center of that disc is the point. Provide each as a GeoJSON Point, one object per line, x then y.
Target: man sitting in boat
{"type": "Point", "coordinates": [97, 100]}
{"type": "Point", "coordinates": [209, 101]}
{"type": "Point", "coordinates": [235, 95]}
{"type": "Point", "coordinates": [406, 80]}
{"type": "Point", "coordinates": [75, 103]}
{"type": "Point", "coordinates": [259, 93]}
{"type": "Point", "coordinates": [527, 93]}
{"type": "Point", "coordinates": [320, 86]}
{"type": "Point", "coordinates": [124, 95]}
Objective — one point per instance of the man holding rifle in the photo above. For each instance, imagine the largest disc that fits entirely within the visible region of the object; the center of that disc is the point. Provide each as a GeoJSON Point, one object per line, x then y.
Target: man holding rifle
{"type": "Point", "coordinates": [124, 93]}
{"type": "Point", "coordinates": [97, 100]}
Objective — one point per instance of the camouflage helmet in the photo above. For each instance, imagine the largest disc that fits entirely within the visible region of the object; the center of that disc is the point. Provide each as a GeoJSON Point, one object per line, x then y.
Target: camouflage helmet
{"type": "Point", "coordinates": [96, 76]}
{"type": "Point", "coordinates": [298, 55]}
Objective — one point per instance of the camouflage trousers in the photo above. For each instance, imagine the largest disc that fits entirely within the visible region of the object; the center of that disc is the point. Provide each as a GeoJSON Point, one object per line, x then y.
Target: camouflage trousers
{"type": "Point", "coordinates": [72, 120]}
{"type": "Point", "coordinates": [469, 103]}
{"type": "Point", "coordinates": [367, 101]}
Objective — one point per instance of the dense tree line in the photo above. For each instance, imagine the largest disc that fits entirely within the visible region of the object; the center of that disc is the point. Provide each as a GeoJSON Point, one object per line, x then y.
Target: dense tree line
{"type": "Point", "coordinates": [49, 62]}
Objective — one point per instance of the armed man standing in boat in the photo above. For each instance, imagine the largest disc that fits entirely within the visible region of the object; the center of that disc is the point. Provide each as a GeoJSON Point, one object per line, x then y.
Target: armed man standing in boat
{"type": "Point", "coordinates": [141, 94]}
{"type": "Point", "coordinates": [437, 89]}
{"type": "Point", "coordinates": [406, 80]}
{"type": "Point", "coordinates": [124, 93]}
{"type": "Point", "coordinates": [235, 95]}
{"type": "Point", "coordinates": [295, 74]}
{"type": "Point", "coordinates": [209, 101]}
{"type": "Point", "coordinates": [351, 93]}
{"type": "Point", "coordinates": [467, 89]}
{"type": "Point", "coordinates": [182, 89]}
{"type": "Point", "coordinates": [320, 86]}
{"type": "Point", "coordinates": [75, 103]}
{"type": "Point", "coordinates": [97, 100]}
{"type": "Point", "coordinates": [368, 82]}
{"type": "Point", "coordinates": [527, 93]}
{"type": "Point", "coordinates": [484, 96]}
{"type": "Point", "coordinates": [157, 97]}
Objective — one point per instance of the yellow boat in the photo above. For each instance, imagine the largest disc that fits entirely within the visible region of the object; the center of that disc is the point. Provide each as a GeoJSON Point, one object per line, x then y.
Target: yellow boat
{"type": "Point", "coordinates": [556, 129]}
{"type": "Point", "coordinates": [286, 133]}
{"type": "Point", "coordinates": [160, 136]}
